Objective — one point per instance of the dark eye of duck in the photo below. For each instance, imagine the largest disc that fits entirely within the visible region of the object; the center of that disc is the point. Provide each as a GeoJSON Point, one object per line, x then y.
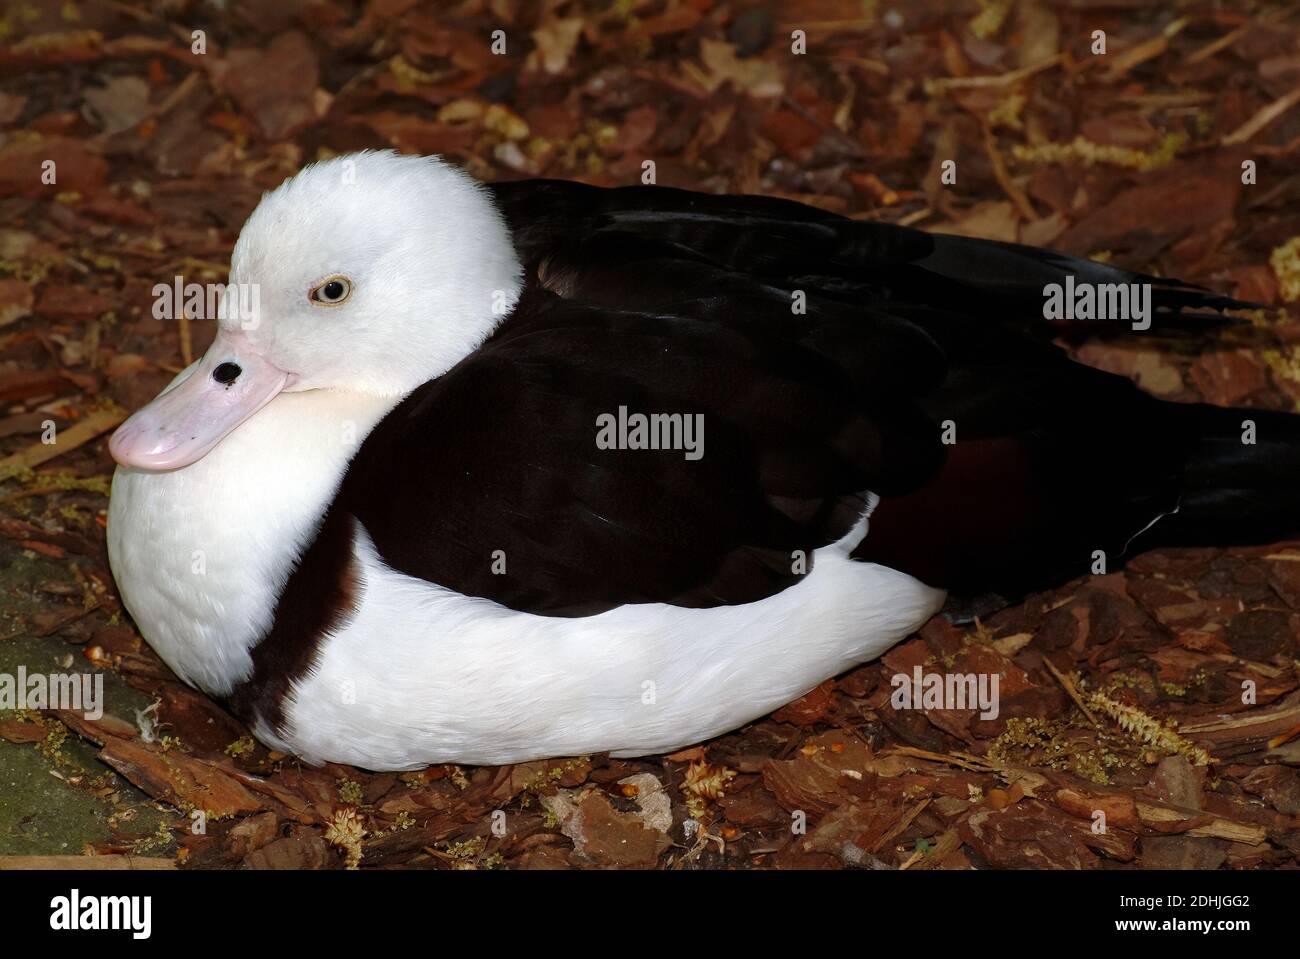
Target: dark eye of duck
{"type": "Point", "coordinates": [333, 291]}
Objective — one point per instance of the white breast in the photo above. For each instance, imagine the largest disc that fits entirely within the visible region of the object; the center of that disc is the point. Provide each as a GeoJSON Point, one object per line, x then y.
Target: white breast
{"type": "Point", "coordinates": [200, 554]}
{"type": "Point", "coordinates": [424, 675]}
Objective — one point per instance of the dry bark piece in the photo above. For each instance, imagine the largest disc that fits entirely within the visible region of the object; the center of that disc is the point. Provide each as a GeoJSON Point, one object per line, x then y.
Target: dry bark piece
{"type": "Point", "coordinates": [305, 849]}
{"type": "Point", "coordinates": [1183, 852]}
{"type": "Point", "coordinates": [90, 427]}
{"type": "Point", "coordinates": [251, 834]}
{"type": "Point", "coordinates": [1259, 634]}
{"type": "Point", "coordinates": [19, 731]}
{"type": "Point", "coordinates": [1163, 201]}
{"type": "Point", "coordinates": [1119, 810]}
{"type": "Point", "coordinates": [1279, 786]}
{"type": "Point", "coordinates": [11, 107]}
{"type": "Point", "coordinates": [98, 731]}
{"type": "Point", "coordinates": [602, 836]}
{"type": "Point", "coordinates": [544, 857]}
{"type": "Point", "coordinates": [27, 385]}
{"type": "Point", "coordinates": [754, 808]}
{"type": "Point", "coordinates": [1159, 817]}
{"type": "Point", "coordinates": [1247, 732]}
{"type": "Point", "coordinates": [944, 851]}
{"type": "Point", "coordinates": [437, 796]}
{"type": "Point", "coordinates": [15, 300]}
{"type": "Point", "coordinates": [76, 303]}
{"type": "Point", "coordinates": [184, 781]}
{"type": "Point", "coordinates": [815, 781]}
{"type": "Point", "coordinates": [403, 844]}
{"type": "Point", "coordinates": [276, 86]}
{"type": "Point", "coordinates": [1227, 377]}
{"type": "Point", "coordinates": [77, 168]}
{"type": "Point", "coordinates": [1178, 782]}
{"type": "Point", "coordinates": [47, 50]}
{"type": "Point", "coordinates": [120, 103]}
{"type": "Point", "coordinates": [196, 720]}
{"type": "Point", "coordinates": [857, 829]}
{"type": "Point", "coordinates": [1029, 835]}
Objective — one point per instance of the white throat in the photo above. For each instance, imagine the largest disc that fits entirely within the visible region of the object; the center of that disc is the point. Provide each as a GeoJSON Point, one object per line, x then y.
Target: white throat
{"type": "Point", "coordinates": [201, 554]}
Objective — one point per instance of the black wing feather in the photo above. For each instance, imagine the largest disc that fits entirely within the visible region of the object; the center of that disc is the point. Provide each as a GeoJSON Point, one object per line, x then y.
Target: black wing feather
{"type": "Point", "coordinates": [500, 454]}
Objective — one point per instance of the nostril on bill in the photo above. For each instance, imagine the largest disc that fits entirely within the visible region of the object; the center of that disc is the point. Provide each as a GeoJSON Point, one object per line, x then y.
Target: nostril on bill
{"type": "Point", "coordinates": [227, 373]}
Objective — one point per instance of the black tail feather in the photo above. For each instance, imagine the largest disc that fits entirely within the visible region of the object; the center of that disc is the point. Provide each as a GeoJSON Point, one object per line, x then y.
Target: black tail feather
{"type": "Point", "coordinates": [1241, 483]}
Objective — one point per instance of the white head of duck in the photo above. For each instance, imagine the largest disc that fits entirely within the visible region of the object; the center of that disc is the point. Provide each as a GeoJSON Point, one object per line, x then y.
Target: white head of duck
{"type": "Point", "coordinates": [374, 273]}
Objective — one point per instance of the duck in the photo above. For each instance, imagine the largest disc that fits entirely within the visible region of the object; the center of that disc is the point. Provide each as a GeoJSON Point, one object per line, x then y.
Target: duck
{"type": "Point", "coordinates": [511, 471]}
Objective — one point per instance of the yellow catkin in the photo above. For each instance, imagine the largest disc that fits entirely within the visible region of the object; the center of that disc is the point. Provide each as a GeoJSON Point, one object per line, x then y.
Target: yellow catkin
{"type": "Point", "coordinates": [346, 831]}
{"type": "Point", "coordinates": [704, 782]}
{"type": "Point", "coordinates": [989, 20]}
{"type": "Point", "coordinates": [1087, 153]}
{"type": "Point", "coordinates": [1285, 261]}
{"type": "Point", "coordinates": [1007, 112]}
{"type": "Point", "coordinates": [1148, 729]}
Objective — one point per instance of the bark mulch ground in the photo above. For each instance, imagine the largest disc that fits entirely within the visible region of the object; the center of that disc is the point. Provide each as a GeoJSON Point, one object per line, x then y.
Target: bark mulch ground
{"type": "Point", "coordinates": [1150, 716]}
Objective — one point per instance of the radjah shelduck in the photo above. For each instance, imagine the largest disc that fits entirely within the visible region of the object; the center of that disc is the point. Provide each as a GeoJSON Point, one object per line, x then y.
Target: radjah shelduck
{"type": "Point", "coordinates": [418, 548]}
